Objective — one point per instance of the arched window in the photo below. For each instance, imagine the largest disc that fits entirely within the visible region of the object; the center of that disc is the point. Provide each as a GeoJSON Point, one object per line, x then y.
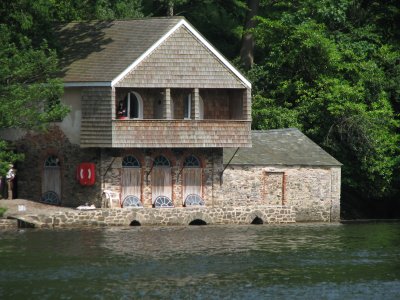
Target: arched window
{"type": "Point", "coordinates": [161, 182]}
{"type": "Point", "coordinates": [163, 201]}
{"type": "Point", "coordinates": [130, 107]}
{"type": "Point", "coordinates": [191, 162]}
{"type": "Point", "coordinates": [51, 182]}
{"type": "Point", "coordinates": [193, 200]}
{"type": "Point", "coordinates": [192, 181]}
{"type": "Point", "coordinates": [52, 161]}
{"type": "Point", "coordinates": [131, 201]}
{"type": "Point", "coordinates": [161, 161]}
{"type": "Point", "coordinates": [131, 181]}
{"type": "Point", "coordinates": [130, 162]}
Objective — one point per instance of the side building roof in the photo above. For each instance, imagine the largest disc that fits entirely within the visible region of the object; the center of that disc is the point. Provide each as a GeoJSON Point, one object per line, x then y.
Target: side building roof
{"type": "Point", "coordinates": [280, 147]}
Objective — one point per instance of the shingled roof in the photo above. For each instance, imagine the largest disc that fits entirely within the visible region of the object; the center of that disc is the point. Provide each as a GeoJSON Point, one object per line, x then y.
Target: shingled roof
{"type": "Point", "coordinates": [286, 147]}
{"type": "Point", "coordinates": [102, 52]}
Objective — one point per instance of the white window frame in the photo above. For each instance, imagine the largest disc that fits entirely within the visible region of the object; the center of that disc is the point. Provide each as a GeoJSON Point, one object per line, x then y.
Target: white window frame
{"type": "Point", "coordinates": [188, 102]}
{"type": "Point", "coordinates": [128, 105]}
{"type": "Point", "coordinates": [140, 105]}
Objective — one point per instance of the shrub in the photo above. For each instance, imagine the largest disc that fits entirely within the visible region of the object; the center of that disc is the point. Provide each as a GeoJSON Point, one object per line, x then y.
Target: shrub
{"type": "Point", "coordinates": [2, 211]}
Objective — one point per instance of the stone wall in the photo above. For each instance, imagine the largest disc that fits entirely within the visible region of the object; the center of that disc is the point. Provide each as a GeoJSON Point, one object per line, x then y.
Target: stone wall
{"type": "Point", "coordinates": [314, 192]}
{"type": "Point", "coordinates": [8, 223]}
{"type": "Point", "coordinates": [210, 159]}
{"type": "Point", "coordinates": [164, 216]}
{"type": "Point", "coordinates": [37, 147]}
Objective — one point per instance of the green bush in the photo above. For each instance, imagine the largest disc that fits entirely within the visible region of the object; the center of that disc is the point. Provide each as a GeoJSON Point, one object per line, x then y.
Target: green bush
{"type": "Point", "coordinates": [2, 211]}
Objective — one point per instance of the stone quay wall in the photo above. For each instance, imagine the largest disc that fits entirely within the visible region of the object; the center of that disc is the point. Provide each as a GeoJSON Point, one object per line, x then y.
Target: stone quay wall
{"type": "Point", "coordinates": [313, 192]}
{"type": "Point", "coordinates": [162, 216]}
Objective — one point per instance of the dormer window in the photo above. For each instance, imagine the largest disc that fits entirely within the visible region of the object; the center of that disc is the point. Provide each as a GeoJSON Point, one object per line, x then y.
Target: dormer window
{"type": "Point", "coordinates": [131, 107]}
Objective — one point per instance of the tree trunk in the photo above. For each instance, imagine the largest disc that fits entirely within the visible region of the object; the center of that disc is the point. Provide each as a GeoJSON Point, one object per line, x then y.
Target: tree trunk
{"type": "Point", "coordinates": [170, 8]}
{"type": "Point", "coordinates": [247, 49]}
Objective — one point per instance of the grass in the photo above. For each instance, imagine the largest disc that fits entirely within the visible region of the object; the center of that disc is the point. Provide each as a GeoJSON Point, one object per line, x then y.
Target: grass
{"type": "Point", "coordinates": [2, 211]}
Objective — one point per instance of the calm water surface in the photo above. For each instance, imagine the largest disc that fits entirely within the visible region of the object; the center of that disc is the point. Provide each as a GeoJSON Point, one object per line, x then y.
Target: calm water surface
{"type": "Point", "coordinates": [358, 261]}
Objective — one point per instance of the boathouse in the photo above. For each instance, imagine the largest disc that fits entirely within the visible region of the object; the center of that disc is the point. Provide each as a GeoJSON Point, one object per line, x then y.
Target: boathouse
{"type": "Point", "coordinates": [283, 167]}
{"type": "Point", "coordinates": [156, 114]}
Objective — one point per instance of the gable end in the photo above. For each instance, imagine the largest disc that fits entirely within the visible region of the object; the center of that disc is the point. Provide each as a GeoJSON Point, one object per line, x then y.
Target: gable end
{"type": "Point", "coordinates": [182, 59]}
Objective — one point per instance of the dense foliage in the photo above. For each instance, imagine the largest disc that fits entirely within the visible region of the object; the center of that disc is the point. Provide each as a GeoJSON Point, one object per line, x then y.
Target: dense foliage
{"type": "Point", "coordinates": [329, 67]}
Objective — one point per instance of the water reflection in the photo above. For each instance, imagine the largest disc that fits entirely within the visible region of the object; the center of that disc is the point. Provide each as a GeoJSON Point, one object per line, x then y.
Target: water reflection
{"type": "Point", "coordinates": [203, 262]}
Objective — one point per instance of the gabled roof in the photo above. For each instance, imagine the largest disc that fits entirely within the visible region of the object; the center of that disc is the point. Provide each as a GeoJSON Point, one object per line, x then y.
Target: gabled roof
{"type": "Point", "coordinates": [101, 53]}
{"type": "Point", "coordinates": [285, 147]}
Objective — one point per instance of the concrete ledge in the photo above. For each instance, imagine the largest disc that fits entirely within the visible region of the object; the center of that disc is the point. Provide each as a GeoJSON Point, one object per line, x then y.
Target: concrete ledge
{"type": "Point", "coordinates": [164, 216]}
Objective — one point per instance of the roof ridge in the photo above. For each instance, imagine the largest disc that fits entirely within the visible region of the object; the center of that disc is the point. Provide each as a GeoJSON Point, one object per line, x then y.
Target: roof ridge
{"type": "Point", "coordinates": [125, 20]}
{"type": "Point", "coordinates": [276, 129]}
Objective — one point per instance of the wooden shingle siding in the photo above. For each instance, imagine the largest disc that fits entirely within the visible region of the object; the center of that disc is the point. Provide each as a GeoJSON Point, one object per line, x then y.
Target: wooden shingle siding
{"type": "Point", "coordinates": [96, 117]}
{"type": "Point", "coordinates": [181, 62]}
{"type": "Point", "coordinates": [181, 133]}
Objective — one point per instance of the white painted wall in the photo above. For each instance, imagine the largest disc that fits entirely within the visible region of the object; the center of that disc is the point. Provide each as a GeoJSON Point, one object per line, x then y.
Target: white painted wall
{"type": "Point", "coordinates": [71, 125]}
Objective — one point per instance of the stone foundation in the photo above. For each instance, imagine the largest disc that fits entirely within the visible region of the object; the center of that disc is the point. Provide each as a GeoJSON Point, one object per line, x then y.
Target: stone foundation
{"type": "Point", "coordinates": [8, 223]}
{"type": "Point", "coordinates": [164, 216]}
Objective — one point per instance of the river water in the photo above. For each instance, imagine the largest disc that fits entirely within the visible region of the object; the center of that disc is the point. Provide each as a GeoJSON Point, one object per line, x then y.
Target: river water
{"type": "Point", "coordinates": [302, 261]}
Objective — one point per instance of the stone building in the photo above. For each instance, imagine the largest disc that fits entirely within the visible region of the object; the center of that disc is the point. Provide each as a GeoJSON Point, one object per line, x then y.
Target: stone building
{"type": "Point", "coordinates": [153, 106]}
{"type": "Point", "coordinates": [286, 168]}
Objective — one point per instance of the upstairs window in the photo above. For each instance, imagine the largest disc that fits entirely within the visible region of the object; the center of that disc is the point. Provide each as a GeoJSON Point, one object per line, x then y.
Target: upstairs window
{"type": "Point", "coordinates": [187, 109]}
{"type": "Point", "coordinates": [131, 107]}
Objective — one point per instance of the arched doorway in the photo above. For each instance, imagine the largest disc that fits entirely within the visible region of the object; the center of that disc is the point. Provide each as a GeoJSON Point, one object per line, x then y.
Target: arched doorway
{"type": "Point", "coordinates": [51, 183]}
{"type": "Point", "coordinates": [161, 181]}
{"type": "Point", "coordinates": [192, 181]}
{"type": "Point", "coordinates": [131, 182]}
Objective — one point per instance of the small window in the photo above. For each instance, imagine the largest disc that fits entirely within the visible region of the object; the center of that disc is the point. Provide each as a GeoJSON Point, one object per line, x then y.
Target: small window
{"type": "Point", "coordinates": [131, 107]}
{"type": "Point", "coordinates": [130, 162]}
{"type": "Point", "coordinates": [161, 161]}
{"type": "Point", "coordinates": [191, 162]}
{"type": "Point", "coordinates": [187, 106]}
{"type": "Point", "coordinates": [52, 161]}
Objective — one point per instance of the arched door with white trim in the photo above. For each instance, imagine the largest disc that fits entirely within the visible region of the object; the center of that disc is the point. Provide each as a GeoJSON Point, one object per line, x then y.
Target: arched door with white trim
{"type": "Point", "coordinates": [191, 179]}
{"type": "Point", "coordinates": [161, 179]}
{"type": "Point", "coordinates": [131, 181]}
{"type": "Point", "coordinates": [51, 183]}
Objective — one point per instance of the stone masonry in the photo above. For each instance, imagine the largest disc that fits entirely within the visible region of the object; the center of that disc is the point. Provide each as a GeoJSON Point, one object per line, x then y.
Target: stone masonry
{"type": "Point", "coordinates": [313, 192]}
{"type": "Point", "coordinates": [163, 216]}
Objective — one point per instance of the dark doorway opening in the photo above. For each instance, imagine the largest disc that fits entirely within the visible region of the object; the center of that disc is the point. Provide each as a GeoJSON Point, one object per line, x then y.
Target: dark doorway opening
{"type": "Point", "coordinates": [257, 221]}
{"type": "Point", "coordinates": [198, 222]}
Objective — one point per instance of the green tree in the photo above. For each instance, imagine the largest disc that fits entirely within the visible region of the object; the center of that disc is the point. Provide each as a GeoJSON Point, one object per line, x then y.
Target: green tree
{"type": "Point", "coordinates": [29, 93]}
{"type": "Point", "coordinates": [332, 69]}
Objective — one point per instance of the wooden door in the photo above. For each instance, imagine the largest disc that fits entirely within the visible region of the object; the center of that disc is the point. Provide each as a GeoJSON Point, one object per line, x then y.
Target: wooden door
{"type": "Point", "coordinates": [51, 183]}
{"type": "Point", "coordinates": [131, 183]}
{"type": "Point", "coordinates": [161, 183]}
{"type": "Point", "coordinates": [192, 182]}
